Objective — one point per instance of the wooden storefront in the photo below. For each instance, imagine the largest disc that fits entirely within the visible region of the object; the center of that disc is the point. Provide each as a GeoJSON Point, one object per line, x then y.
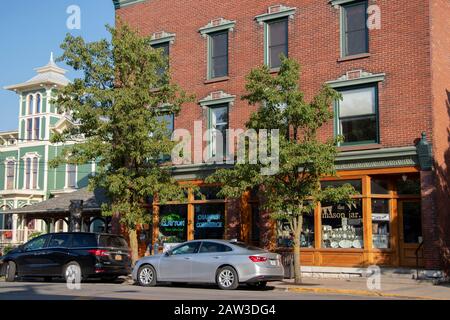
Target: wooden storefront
{"type": "Point", "coordinates": [385, 214]}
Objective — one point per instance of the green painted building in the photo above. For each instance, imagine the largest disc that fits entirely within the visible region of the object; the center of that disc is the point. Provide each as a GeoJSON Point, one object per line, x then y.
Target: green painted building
{"type": "Point", "coordinates": [25, 175]}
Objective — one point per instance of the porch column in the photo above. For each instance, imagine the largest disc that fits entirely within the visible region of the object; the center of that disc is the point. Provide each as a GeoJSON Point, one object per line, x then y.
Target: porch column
{"type": "Point", "coordinates": [25, 229]}
{"type": "Point", "coordinates": [14, 228]}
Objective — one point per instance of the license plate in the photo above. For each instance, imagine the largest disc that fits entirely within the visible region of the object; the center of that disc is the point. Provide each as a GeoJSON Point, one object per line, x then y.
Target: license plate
{"type": "Point", "coordinates": [118, 257]}
{"type": "Point", "coordinates": [273, 262]}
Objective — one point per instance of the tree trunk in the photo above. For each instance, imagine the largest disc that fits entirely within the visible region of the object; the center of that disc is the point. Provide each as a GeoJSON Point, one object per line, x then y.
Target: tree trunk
{"type": "Point", "coordinates": [133, 246]}
{"type": "Point", "coordinates": [297, 244]}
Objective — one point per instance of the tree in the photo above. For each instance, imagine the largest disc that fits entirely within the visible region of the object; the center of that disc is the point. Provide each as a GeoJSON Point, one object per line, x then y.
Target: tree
{"type": "Point", "coordinates": [116, 108]}
{"type": "Point", "coordinates": [304, 159]}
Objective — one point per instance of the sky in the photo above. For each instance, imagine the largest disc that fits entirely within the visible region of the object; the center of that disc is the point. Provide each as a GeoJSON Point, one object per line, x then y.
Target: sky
{"type": "Point", "coordinates": [30, 30]}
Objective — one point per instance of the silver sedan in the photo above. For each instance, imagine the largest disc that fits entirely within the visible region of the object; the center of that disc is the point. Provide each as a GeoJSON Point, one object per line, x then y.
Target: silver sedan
{"type": "Point", "coordinates": [226, 263]}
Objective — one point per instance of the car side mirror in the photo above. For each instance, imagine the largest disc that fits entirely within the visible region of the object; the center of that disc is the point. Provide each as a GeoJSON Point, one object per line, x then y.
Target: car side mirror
{"type": "Point", "coordinates": [168, 253]}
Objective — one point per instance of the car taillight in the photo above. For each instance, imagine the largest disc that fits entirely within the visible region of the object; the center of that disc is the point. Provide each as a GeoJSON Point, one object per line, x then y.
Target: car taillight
{"type": "Point", "coordinates": [99, 253]}
{"type": "Point", "coordinates": [258, 259]}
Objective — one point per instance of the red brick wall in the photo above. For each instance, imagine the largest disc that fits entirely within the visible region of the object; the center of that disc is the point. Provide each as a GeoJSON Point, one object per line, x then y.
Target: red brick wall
{"type": "Point", "coordinates": [400, 49]}
{"type": "Point", "coordinates": [440, 53]}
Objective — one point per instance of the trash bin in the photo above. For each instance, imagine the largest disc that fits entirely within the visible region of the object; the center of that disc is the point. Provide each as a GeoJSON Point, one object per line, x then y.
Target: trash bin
{"type": "Point", "coordinates": [287, 259]}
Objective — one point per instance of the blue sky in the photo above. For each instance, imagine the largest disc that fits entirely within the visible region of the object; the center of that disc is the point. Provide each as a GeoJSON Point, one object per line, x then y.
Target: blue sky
{"type": "Point", "coordinates": [30, 30]}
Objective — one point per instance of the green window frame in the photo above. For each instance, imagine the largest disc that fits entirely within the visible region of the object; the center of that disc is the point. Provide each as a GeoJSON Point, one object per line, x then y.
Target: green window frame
{"type": "Point", "coordinates": [370, 118]}
{"type": "Point", "coordinates": [345, 32]}
{"type": "Point", "coordinates": [213, 57]}
{"type": "Point", "coordinates": [268, 45]}
{"type": "Point", "coordinates": [211, 125]}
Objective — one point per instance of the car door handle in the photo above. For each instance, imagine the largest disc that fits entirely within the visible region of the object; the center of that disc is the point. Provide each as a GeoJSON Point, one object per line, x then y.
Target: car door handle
{"type": "Point", "coordinates": [187, 258]}
{"type": "Point", "coordinates": [216, 257]}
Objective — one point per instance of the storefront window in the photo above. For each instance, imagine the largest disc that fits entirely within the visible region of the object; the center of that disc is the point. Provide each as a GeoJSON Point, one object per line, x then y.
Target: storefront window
{"type": "Point", "coordinates": [408, 185]}
{"type": "Point", "coordinates": [209, 221]}
{"type": "Point", "coordinates": [380, 223]}
{"type": "Point", "coordinates": [172, 224]}
{"type": "Point", "coordinates": [379, 186]}
{"type": "Point", "coordinates": [285, 237]}
{"type": "Point", "coordinates": [342, 225]}
{"type": "Point", "coordinates": [208, 193]}
{"type": "Point", "coordinates": [339, 183]}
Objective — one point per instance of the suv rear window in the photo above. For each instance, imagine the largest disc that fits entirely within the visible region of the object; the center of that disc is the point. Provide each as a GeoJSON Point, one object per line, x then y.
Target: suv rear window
{"type": "Point", "coordinates": [84, 241]}
{"type": "Point", "coordinates": [112, 242]}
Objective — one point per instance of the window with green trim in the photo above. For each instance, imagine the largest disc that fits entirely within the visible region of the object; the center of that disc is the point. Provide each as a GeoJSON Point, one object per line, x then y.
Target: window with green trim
{"type": "Point", "coordinates": [357, 115]}
{"type": "Point", "coordinates": [164, 47]}
{"type": "Point", "coordinates": [218, 54]}
{"type": "Point", "coordinates": [218, 126]}
{"type": "Point", "coordinates": [355, 34]}
{"type": "Point", "coordinates": [277, 42]}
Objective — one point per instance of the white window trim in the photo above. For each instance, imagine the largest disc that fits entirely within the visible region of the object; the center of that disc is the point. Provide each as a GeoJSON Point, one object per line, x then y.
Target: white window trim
{"type": "Point", "coordinates": [31, 156]}
{"type": "Point", "coordinates": [7, 160]}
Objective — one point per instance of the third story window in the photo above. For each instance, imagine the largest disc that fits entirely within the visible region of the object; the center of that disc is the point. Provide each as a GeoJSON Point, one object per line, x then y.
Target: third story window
{"type": "Point", "coordinates": [219, 126]}
{"type": "Point", "coordinates": [218, 54]}
{"type": "Point", "coordinates": [357, 114]}
{"type": "Point", "coordinates": [355, 32]}
{"type": "Point", "coordinates": [277, 42]}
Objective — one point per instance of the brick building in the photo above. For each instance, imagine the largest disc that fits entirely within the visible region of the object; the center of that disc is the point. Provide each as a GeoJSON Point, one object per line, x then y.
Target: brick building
{"type": "Point", "coordinates": [393, 73]}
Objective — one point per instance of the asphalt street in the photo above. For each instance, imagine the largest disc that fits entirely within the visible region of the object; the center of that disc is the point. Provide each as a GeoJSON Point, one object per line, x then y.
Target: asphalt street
{"type": "Point", "coordinates": [94, 290]}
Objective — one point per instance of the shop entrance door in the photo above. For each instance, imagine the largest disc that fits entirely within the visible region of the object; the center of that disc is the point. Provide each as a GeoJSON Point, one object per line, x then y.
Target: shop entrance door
{"type": "Point", "coordinates": [410, 233]}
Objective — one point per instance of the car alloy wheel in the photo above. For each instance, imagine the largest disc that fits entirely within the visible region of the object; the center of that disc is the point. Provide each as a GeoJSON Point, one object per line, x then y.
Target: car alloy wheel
{"type": "Point", "coordinates": [227, 279]}
{"type": "Point", "coordinates": [10, 271]}
{"type": "Point", "coordinates": [72, 273]}
{"type": "Point", "coordinates": [147, 276]}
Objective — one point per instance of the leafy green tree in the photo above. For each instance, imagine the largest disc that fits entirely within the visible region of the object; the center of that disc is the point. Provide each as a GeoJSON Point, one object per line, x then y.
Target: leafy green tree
{"type": "Point", "coordinates": [116, 108]}
{"type": "Point", "coordinates": [304, 159]}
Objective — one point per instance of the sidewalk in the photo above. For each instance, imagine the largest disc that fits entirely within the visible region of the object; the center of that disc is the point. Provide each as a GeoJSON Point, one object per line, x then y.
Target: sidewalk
{"type": "Point", "coordinates": [394, 288]}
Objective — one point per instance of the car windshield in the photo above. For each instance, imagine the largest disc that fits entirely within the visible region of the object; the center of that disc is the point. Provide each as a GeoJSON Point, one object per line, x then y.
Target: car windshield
{"type": "Point", "coordinates": [246, 246]}
{"type": "Point", "coordinates": [112, 241]}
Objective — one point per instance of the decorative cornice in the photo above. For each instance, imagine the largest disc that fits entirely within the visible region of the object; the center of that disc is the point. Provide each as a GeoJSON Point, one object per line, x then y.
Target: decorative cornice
{"type": "Point", "coordinates": [162, 36]}
{"type": "Point", "coordinates": [215, 25]}
{"type": "Point", "coordinates": [118, 4]}
{"type": "Point", "coordinates": [356, 77]}
{"type": "Point", "coordinates": [217, 97]}
{"type": "Point", "coordinates": [339, 2]}
{"type": "Point", "coordinates": [276, 12]}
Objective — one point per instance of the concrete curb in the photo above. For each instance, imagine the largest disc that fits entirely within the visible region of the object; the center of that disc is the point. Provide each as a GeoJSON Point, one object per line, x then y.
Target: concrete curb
{"type": "Point", "coordinates": [352, 292]}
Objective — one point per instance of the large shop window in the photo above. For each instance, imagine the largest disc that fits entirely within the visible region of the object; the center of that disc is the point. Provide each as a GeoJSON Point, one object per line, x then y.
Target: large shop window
{"type": "Point", "coordinates": [218, 54]}
{"type": "Point", "coordinates": [209, 221]}
{"type": "Point", "coordinates": [277, 41]}
{"type": "Point", "coordinates": [342, 225]}
{"type": "Point", "coordinates": [357, 114]}
{"type": "Point", "coordinates": [173, 223]}
{"type": "Point", "coordinates": [285, 237]}
{"type": "Point", "coordinates": [355, 34]}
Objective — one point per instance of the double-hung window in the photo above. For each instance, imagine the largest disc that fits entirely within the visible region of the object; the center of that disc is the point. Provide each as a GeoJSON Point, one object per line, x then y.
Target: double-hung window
{"type": "Point", "coordinates": [165, 50]}
{"type": "Point", "coordinates": [28, 173]}
{"type": "Point", "coordinates": [218, 54]}
{"type": "Point", "coordinates": [218, 125]}
{"type": "Point", "coordinates": [277, 42]}
{"type": "Point", "coordinates": [10, 175]}
{"type": "Point", "coordinates": [71, 172]}
{"type": "Point", "coordinates": [354, 31]}
{"type": "Point", "coordinates": [357, 119]}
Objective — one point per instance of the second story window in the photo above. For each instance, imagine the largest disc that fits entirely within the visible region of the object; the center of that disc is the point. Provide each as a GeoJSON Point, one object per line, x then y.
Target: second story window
{"type": "Point", "coordinates": [354, 31]}
{"type": "Point", "coordinates": [357, 115]}
{"type": "Point", "coordinates": [31, 170]}
{"type": "Point", "coordinates": [164, 47]}
{"type": "Point", "coordinates": [28, 173]}
{"type": "Point", "coordinates": [218, 54]}
{"type": "Point", "coordinates": [71, 176]}
{"type": "Point", "coordinates": [218, 124]}
{"type": "Point", "coordinates": [35, 172]}
{"type": "Point", "coordinates": [10, 174]}
{"type": "Point", "coordinates": [277, 42]}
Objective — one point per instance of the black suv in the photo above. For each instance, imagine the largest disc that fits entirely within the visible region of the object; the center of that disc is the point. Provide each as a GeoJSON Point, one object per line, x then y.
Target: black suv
{"type": "Point", "coordinates": [51, 255]}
